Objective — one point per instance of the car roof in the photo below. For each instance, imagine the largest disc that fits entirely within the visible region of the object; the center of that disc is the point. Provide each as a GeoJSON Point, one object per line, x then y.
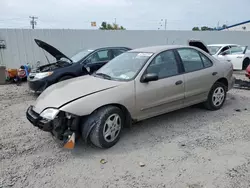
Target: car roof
{"type": "Point", "coordinates": [223, 45]}
{"type": "Point", "coordinates": [107, 47]}
{"type": "Point", "coordinates": [156, 49]}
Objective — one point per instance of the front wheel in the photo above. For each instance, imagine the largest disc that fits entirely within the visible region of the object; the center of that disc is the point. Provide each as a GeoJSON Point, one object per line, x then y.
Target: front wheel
{"type": "Point", "coordinates": [216, 97]}
{"type": "Point", "coordinates": [109, 122]}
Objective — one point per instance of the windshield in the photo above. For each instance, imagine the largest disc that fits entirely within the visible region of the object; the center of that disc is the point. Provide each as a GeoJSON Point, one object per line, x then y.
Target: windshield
{"type": "Point", "coordinates": [124, 67]}
{"type": "Point", "coordinates": [214, 49]}
{"type": "Point", "coordinates": [77, 57]}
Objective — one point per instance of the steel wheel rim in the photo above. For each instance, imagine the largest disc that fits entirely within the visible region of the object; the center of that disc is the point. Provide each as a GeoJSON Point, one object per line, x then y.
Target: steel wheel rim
{"type": "Point", "coordinates": [218, 96]}
{"type": "Point", "coordinates": [112, 128]}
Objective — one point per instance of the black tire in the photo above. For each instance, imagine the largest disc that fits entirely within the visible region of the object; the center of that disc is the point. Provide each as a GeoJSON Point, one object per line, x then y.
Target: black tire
{"type": "Point", "coordinates": [65, 78]}
{"type": "Point", "coordinates": [245, 64]}
{"type": "Point", "coordinates": [209, 103]}
{"type": "Point", "coordinates": [99, 118]}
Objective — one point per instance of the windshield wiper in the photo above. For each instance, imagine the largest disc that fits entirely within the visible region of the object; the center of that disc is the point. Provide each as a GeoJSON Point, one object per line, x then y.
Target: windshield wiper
{"type": "Point", "coordinates": [103, 75]}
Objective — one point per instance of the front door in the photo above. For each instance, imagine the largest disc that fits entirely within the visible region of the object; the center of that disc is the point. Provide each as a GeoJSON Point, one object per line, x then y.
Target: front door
{"type": "Point", "coordinates": [98, 59]}
{"type": "Point", "coordinates": [164, 95]}
{"type": "Point", "coordinates": [199, 75]}
{"type": "Point", "coordinates": [235, 55]}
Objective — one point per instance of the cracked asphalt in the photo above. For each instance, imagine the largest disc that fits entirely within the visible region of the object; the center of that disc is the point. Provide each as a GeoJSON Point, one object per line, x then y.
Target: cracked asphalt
{"type": "Point", "coordinates": [189, 148]}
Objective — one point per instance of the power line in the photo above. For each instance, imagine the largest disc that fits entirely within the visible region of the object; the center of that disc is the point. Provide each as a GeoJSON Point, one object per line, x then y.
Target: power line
{"type": "Point", "coordinates": [33, 22]}
{"type": "Point", "coordinates": [12, 19]}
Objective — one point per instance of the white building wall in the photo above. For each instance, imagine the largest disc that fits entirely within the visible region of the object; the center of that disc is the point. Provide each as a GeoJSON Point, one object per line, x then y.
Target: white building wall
{"type": "Point", "coordinates": [21, 48]}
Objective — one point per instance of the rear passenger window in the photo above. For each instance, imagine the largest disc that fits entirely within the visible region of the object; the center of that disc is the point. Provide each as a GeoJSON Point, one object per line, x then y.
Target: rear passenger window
{"type": "Point", "coordinates": [207, 62]}
{"type": "Point", "coordinates": [191, 59]}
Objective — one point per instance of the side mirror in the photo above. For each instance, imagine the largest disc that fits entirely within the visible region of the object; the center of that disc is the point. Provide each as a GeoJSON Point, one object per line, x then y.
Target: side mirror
{"type": "Point", "coordinates": [86, 69]}
{"type": "Point", "coordinates": [149, 77]}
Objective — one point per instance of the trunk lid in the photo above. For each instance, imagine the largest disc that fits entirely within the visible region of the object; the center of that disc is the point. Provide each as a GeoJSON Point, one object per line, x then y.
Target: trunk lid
{"type": "Point", "coordinates": [198, 44]}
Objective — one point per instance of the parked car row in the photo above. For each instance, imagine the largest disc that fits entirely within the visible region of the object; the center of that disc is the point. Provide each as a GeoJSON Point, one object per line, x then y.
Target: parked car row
{"type": "Point", "coordinates": [135, 85]}
{"type": "Point", "coordinates": [90, 60]}
{"type": "Point", "coordinates": [238, 55]}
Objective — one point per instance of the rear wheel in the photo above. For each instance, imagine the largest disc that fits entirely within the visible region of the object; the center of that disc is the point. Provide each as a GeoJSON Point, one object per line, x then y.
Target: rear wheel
{"type": "Point", "coordinates": [65, 78]}
{"type": "Point", "coordinates": [216, 97]}
{"type": "Point", "coordinates": [245, 64]}
{"type": "Point", "coordinates": [109, 121]}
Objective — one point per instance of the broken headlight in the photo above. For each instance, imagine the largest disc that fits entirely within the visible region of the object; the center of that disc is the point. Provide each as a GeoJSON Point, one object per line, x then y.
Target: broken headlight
{"type": "Point", "coordinates": [49, 113]}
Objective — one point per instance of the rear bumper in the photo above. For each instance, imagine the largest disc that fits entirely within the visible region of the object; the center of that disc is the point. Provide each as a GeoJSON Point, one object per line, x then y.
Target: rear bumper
{"type": "Point", "coordinates": [36, 120]}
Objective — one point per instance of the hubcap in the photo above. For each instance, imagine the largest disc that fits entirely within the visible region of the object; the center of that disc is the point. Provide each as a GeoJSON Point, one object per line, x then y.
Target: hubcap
{"type": "Point", "coordinates": [112, 128]}
{"type": "Point", "coordinates": [218, 96]}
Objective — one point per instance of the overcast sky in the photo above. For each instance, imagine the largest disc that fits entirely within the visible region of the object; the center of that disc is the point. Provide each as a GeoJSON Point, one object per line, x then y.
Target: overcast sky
{"type": "Point", "coordinates": [132, 14]}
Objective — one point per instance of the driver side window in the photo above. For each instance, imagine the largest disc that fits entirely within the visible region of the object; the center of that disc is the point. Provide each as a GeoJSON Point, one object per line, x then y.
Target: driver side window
{"type": "Point", "coordinates": [225, 50]}
{"type": "Point", "coordinates": [164, 65]}
{"type": "Point", "coordinates": [100, 56]}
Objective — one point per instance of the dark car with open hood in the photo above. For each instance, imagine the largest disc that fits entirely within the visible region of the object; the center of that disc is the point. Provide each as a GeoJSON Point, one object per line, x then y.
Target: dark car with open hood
{"type": "Point", "coordinates": [84, 62]}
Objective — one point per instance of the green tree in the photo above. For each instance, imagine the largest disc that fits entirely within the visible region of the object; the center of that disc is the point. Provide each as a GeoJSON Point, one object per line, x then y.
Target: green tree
{"type": "Point", "coordinates": [108, 26]}
{"type": "Point", "coordinates": [205, 28]}
{"type": "Point", "coordinates": [224, 26]}
{"type": "Point", "coordinates": [196, 29]}
{"type": "Point", "coordinates": [103, 26]}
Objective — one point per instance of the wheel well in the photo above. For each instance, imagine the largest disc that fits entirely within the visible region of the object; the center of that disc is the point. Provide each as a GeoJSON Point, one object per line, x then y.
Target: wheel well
{"type": "Point", "coordinates": [128, 118]}
{"type": "Point", "coordinates": [245, 63]}
{"type": "Point", "coordinates": [223, 81]}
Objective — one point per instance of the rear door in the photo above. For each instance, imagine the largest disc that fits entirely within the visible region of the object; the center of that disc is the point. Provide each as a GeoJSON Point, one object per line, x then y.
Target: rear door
{"type": "Point", "coordinates": [199, 75]}
{"type": "Point", "coordinates": [165, 94]}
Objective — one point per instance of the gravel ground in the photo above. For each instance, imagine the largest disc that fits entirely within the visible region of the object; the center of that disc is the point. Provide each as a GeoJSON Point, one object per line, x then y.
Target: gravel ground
{"type": "Point", "coordinates": [189, 148]}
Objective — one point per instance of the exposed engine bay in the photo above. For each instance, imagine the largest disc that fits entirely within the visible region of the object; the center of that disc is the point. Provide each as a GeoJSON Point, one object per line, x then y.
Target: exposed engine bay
{"type": "Point", "coordinates": [52, 66]}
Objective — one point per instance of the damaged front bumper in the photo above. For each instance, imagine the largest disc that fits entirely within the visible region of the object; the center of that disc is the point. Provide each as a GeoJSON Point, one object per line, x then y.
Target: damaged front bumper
{"type": "Point", "coordinates": [64, 127]}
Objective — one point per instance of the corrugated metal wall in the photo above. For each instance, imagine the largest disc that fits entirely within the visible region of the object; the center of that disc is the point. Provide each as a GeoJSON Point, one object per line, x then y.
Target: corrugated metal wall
{"type": "Point", "coordinates": [21, 48]}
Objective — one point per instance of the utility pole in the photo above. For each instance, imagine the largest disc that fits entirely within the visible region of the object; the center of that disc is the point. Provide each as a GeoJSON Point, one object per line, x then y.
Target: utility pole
{"type": "Point", "coordinates": [218, 24]}
{"type": "Point", "coordinates": [33, 21]}
{"type": "Point", "coordinates": [166, 21]}
{"type": "Point", "coordinates": [115, 20]}
{"type": "Point", "coordinates": [161, 24]}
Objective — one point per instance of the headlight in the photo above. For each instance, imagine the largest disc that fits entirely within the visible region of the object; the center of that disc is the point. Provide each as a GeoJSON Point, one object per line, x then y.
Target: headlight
{"type": "Point", "coordinates": [49, 113]}
{"type": "Point", "coordinates": [42, 75]}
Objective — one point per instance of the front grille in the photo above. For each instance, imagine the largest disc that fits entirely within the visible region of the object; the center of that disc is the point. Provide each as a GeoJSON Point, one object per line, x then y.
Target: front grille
{"type": "Point", "coordinates": [32, 116]}
{"type": "Point", "coordinates": [33, 113]}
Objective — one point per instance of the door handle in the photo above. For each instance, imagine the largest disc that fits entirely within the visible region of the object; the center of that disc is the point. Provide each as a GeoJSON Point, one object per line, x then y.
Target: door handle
{"type": "Point", "coordinates": [214, 73]}
{"type": "Point", "coordinates": [178, 82]}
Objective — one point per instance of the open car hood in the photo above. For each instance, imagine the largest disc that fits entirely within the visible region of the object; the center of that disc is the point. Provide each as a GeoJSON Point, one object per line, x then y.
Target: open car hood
{"type": "Point", "coordinates": [51, 50]}
{"type": "Point", "coordinates": [198, 44]}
